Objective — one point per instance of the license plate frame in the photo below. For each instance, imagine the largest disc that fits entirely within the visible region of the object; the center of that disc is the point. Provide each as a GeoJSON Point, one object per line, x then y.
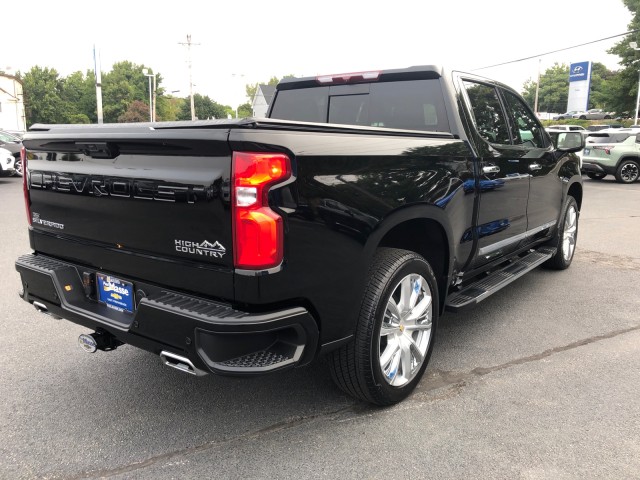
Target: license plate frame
{"type": "Point", "coordinates": [115, 293]}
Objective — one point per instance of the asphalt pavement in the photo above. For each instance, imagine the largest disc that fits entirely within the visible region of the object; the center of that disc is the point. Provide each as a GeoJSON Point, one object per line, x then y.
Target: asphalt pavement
{"type": "Point", "coordinates": [540, 381]}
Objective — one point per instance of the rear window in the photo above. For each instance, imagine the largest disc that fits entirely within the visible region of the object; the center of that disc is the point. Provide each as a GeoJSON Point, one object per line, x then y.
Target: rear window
{"type": "Point", "coordinates": [608, 137]}
{"type": "Point", "coordinates": [407, 105]}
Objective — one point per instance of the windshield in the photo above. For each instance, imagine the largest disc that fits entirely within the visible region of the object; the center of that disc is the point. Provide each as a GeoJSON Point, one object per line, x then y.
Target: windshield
{"type": "Point", "coordinates": [608, 137]}
{"type": "Point", "coordinates": [7, 137]}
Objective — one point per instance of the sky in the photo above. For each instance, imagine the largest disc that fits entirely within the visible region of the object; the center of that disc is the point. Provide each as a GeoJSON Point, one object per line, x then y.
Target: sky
{"type": "Point", "coordinates": [248, 41]}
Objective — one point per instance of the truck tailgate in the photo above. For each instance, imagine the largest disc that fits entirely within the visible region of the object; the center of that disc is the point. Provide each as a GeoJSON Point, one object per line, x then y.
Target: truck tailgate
{"type": "Point", "coordinates": [135, 201]}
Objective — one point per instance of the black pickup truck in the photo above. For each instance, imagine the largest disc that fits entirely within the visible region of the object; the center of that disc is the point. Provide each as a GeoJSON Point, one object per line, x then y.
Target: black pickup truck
{"type": "Point", "coordinates": [344, 224]}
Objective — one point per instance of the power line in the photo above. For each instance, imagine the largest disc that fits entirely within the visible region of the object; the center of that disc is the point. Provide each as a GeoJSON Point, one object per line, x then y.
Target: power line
{"type": "Point", "coordinates": [556, 51]}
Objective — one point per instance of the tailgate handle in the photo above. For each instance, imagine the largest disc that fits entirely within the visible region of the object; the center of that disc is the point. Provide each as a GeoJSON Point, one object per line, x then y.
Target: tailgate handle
{"type": "Point", "coordinates": [99, 149]}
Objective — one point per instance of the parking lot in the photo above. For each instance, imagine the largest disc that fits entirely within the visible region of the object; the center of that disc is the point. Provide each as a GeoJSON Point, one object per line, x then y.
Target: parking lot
{"type": "Point", "coordinates": [540, 381]}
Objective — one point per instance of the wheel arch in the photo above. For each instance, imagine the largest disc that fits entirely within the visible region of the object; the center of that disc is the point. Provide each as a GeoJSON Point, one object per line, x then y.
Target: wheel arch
{"type": "Point", "coordinates": [422, 229]}
{"type": "Point", "coordinates": [575, 191]}
{"type": "Point", "coordinates": [627, 157]}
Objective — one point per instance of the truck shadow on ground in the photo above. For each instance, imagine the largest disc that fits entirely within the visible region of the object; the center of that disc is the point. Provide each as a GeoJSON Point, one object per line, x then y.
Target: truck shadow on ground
{"type": "Point", "coordinates": [148, 411]}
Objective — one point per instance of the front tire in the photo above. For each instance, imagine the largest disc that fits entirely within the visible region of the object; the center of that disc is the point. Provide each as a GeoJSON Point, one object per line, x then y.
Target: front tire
{"type": "Point", "coordinates": [628, 171]}
{"type": "Point", "coordinates": [566, 237]}
{"type": "Point", "coordinates": [395, 330]}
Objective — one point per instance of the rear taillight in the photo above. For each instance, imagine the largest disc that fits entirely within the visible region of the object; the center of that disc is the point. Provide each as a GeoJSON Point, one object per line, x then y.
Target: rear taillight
{"type": "Point", "coordinates": [607, 149]}
{"type": "Point", "coordinates": [25, 183]}
{"type": "Point", "coordinates": [257, 230]}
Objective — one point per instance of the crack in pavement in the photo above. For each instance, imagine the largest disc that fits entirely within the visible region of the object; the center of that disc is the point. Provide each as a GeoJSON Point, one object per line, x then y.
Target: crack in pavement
{"type": "Point", "coordinates": [437, 380]}
{"type": "Point", "coordinates": [440, 378]}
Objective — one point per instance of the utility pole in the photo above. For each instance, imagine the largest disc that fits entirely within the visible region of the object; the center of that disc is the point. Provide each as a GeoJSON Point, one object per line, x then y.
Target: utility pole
{"type": "Point", "coordinates": [97, 69]}
{"type": "Point", "coordinates": [535, 106]}
{"type": "Point", "coordinates": [188, 44]}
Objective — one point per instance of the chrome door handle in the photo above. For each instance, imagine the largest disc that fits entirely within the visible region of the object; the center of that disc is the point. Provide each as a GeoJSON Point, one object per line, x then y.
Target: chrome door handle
{"type": "Point", "coordinates": [491, 169]}
{"type": "Point", "coordinates": [535, 166]}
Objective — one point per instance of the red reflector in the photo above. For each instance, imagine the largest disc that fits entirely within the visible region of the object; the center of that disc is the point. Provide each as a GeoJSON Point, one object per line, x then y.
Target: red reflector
{"type": "Point", "coordinates": [25, 183]}
{"type": "Point", "coordinates": [356, 77]}
{"type": "Point", "coordinates": [257, 230]}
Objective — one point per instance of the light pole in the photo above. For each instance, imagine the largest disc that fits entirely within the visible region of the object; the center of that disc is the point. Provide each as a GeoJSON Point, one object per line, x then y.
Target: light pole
{"type": "Point", "coordinates": [152, 94]}
{"type": "Point", "coordinates": [634, 45]}
{"type": "Point", "coordinates": [239, 76]}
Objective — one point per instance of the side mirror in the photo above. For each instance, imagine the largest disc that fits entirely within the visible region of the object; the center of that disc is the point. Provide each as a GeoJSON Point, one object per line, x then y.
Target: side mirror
{"type": "Point", "coordinates": [568, 141]}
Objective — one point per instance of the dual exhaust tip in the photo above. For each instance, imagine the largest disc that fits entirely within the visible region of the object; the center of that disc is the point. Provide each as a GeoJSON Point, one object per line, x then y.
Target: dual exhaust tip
{"type": "Point", "coordinates": [90, 343]}
{"type": "Point", "coordinates": [102, 340]}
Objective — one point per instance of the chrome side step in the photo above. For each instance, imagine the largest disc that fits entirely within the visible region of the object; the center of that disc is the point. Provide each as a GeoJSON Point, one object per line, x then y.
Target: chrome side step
{"type": "Point", "coordinates": [180, 363]}
{"type": "Point", "coordinates": [487, 286]}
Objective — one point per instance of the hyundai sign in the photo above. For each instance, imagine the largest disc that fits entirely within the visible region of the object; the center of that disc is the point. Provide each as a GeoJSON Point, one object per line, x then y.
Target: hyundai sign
{"type": "Point", "coordinates": [579, 71]}
{"type": "Point", "coordinates": [579, 86]}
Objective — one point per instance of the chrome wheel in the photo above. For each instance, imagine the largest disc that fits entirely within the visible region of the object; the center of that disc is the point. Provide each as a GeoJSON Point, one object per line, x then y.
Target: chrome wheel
{"type": "Point", "coordinates": [629, 172]}
{"type": "Point", "coordinates": [18, 167]}
{"type": "Point", "coordinates": [406, 330]}
{"type": "Point", "coordinates": [569, 233]}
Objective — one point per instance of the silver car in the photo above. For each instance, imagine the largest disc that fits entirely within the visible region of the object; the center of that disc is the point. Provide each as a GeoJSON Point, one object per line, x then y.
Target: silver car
{"type": "Point", "coordinates": [594, 114]}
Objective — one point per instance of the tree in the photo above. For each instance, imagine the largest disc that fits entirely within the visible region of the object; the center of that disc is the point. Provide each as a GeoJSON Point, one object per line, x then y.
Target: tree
{"type": "Point", "coordinates": [136, 112]}
{"type": "Point", "coordinates": [79, 96]}
{"type": "Point", "coordinates": [251, 89]}
{"type": "Point", "coordinates": [554, 89]}
{"type": "Point", "coordinates": [42, 96]}
{"type": "Point", "coordinates": [624, 87]}
{"type": "Point", "coordinates": [205, 108]}
{"type": "Point", "coordinates": [169, 108]}
{"type": "Point", "coordinates": [245, 110]}
{"type": "Point", "coordinates": [124, 84]}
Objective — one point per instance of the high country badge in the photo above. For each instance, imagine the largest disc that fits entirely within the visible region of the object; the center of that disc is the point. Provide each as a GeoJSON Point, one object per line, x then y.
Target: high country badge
{"type": "Point", "coordinates": [205, 248]}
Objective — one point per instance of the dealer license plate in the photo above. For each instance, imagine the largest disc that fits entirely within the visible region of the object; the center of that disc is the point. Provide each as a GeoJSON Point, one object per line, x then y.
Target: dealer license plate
{"type": "Point", "coordinates": [115, 293]}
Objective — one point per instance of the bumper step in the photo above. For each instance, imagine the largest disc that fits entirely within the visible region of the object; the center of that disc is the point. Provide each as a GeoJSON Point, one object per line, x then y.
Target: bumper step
{"type": "Point", "coordinates": [487, 286]}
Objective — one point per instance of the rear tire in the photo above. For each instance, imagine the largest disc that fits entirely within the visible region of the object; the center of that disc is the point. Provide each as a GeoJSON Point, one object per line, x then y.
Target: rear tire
{"type": "Point", "coordinates": [566, 237]}
{"type": "Point", "coordinates": [628, 171]}
{"type": "Point", "coordinates": [596, 176]}
{"type": "Point", "coordinates": [395, 331]}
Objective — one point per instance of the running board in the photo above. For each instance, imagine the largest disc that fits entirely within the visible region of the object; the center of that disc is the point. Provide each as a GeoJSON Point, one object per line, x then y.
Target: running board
{"type": "Point", "coordinates": [487, 286]}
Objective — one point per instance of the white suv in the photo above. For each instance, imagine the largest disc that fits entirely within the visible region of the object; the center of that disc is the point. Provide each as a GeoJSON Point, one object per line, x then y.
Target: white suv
{"type": "Point", "coordinates": [7, 163]}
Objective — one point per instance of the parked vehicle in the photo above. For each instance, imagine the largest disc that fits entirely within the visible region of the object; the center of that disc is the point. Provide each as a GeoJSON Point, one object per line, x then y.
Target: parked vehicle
{"type": "Point", "coordinates": [568, 128]}
{"type": "Point", "coordinates": [14, 145]}
{"type": "Point", "coordinates": [567, 115]}
{"type": "Point", "coordinates": [612, 153]}
{"type": "Point", "coordinates": [594, 114]}
{"type": "Point", "coordinates": [254, 245]}
{"type": "Point", "coordinates": [7, 163]}
{"type": "Point", "coordinates": [597, 128]}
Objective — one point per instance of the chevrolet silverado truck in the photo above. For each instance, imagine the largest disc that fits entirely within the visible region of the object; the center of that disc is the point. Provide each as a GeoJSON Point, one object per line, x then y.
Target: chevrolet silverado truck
{"type": "Point", "coordinates": [344, 224]}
